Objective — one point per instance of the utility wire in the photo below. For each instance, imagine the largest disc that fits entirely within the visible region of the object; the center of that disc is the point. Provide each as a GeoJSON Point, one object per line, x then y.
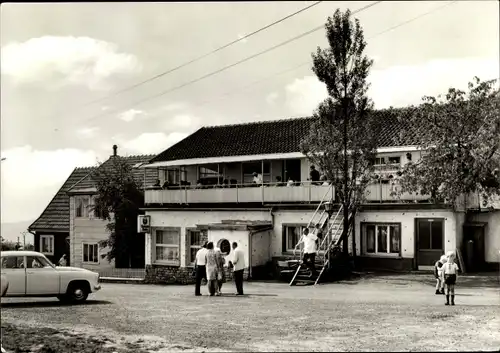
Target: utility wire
{"type": "Point", "coordinates": [200, 57]}
{"type": "Point", "coordinates": [227, 67]}
{"type": "Point", "coordinates": [243, 88]}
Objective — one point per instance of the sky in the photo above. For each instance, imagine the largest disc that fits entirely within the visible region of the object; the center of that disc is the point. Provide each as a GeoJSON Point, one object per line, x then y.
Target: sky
{"type": "Point", "coordinates": [58, 57]}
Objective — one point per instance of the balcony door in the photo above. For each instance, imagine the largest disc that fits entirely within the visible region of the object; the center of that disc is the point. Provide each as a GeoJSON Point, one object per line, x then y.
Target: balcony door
{"type": "Point", "coordinates": [430, 240]}
{"type": "Point", "coordinates": [291, 169]}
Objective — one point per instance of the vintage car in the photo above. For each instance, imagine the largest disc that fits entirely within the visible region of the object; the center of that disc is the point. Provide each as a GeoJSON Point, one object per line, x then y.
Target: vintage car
{"type": "Point", "coordinates": [31, 274]}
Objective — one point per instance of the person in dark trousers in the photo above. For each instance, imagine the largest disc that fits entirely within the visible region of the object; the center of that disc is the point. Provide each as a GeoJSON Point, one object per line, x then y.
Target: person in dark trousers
{"type": "Point", "coordinates": [314, 176]}
{"type": "Point", "coordinates": [238, 265]}
{"type": "Point", "coordinates": [199, 268]}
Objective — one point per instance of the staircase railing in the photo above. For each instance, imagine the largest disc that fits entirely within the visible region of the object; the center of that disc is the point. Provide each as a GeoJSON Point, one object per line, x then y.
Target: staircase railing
{"type": "Point", "coordinates": [321, 220]}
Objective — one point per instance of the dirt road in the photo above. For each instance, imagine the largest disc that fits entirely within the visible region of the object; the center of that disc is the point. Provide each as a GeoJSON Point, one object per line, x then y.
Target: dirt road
{"type": "Point", "coordinates": [383, 313]}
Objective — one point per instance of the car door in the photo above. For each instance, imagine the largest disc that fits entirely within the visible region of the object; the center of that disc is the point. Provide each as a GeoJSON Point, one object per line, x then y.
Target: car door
{"type": "Point", "coordinates": [13, 268]}
{"type": "Point", "coordinates": [41, 277]}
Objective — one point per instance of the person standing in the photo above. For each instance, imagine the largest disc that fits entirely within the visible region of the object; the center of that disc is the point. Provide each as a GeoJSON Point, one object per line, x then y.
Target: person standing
{"type": "Point", "coordinates": [199, 268]}
{"type": "Point", "coordinates": [438, 274]}
{"type": "Point", "coordinates": [450, 270]}
{"type": "Point", "coordinates": [314, 176]}
{"type": "Point", "coordinates": [310, 248]}
{"type": "Point", "coordinates": [221, 276]}
{"type": "Point", "coordinates": [62, 261]}
{"type": "Point", "coordinates": [212, 268]}
{"type": "Point", "coordinates": [239, 266]}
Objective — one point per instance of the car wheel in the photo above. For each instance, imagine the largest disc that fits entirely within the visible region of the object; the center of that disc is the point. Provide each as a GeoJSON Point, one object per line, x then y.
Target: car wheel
{"type": "Point", "coordinates": [77, 293]}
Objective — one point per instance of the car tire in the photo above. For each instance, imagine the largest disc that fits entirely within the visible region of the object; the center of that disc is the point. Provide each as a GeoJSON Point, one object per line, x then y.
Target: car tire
{"type": "Point", "coordinates": [77, 293]}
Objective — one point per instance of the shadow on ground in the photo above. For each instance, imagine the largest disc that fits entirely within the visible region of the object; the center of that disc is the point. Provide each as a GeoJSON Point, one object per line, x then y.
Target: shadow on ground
{"type": "Point", "coordinates": [51, 304]}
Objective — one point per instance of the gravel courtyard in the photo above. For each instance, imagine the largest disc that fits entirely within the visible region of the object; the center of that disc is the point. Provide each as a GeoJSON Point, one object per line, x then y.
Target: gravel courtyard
{"type": "Point", "coordinates": [379, 313]}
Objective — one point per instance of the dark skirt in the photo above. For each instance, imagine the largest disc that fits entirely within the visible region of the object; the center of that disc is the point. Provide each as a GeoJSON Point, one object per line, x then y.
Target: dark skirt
{"type": "Point", "coordinates": [450, 279]}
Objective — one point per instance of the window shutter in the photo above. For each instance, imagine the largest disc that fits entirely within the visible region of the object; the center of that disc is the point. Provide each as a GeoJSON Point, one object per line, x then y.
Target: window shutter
{"type": "Point", "coordinates": [283, 238]}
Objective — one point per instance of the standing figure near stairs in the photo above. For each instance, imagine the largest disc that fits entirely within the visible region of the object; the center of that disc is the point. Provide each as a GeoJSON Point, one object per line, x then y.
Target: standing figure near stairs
{"type": "Point", "coordinates": [310, 249]}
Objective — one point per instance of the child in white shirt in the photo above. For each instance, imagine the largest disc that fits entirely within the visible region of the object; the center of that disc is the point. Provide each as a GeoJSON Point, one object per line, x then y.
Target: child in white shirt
{"type": "Point", "coordinates": [438, 274]}
{"type": "Point", "coordinates": [450, 271]}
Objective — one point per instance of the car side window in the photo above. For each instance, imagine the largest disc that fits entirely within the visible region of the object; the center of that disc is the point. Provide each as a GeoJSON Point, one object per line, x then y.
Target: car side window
{"type": "Point", "coordinates": [13, 262]}
{"type": "Point", "coordinates": [36, 262]}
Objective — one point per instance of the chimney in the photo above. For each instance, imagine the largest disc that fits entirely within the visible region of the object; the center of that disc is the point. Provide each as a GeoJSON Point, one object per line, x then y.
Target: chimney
{"type": "Point", "coordinates": [115, 148]}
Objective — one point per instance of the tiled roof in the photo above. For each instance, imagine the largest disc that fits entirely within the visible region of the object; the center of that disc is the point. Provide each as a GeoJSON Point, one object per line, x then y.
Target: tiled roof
{"type": "Point", "coordinates": [55, 217]}
{"type": "Point", "coordinates": [151, 174]}
{"type": "Point", "coordinates": [277, 136]}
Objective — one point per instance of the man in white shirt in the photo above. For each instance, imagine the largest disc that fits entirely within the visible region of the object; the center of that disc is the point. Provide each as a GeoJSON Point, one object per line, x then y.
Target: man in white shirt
{"type": "Point", "coordinates": [199, 267]}
{"type": "Point", "coordinates": [239, 266]}
{"type": "Point", "coordinates": [310, 249]}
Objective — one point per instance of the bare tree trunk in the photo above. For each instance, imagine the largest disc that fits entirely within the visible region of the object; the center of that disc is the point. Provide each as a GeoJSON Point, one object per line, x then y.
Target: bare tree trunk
{"type": "Point", "coordinates": [345, 245]}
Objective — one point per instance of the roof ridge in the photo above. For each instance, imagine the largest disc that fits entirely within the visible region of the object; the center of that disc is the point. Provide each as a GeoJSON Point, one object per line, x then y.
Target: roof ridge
{"type": "Point", "coordinates": [259, 122]}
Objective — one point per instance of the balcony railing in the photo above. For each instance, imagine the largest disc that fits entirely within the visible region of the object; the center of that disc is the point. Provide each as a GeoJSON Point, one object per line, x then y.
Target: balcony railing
{"type": "Point", "coordinates": [238, 193]}
{"type": "Point", "coordinates": [270, 193]}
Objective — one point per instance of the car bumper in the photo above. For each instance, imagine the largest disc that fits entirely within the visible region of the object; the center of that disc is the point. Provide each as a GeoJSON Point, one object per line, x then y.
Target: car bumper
{"type": "Point", "coordinates": [97, 287]}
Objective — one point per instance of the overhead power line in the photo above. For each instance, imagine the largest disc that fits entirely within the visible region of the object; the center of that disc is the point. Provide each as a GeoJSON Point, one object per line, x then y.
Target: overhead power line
{"type": "Point", "coordinates": [164, 73]}
{"type": "Point", "coordinates": [227, 67]}
{"type": "Point", "coordinates": [309, 62]}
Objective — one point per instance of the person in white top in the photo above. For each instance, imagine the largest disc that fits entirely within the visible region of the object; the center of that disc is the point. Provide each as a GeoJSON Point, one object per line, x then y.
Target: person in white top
{"type": "Point", "coordinates": [450, 271]}
{"type": "Point", "coordinates": [257, 178]}
{"type": "Point", "coordinates": [238, 265]}
{"type": "Point", "coordinates": [310, 248]}
{"type": "Point", "coordinates": [199, 268]}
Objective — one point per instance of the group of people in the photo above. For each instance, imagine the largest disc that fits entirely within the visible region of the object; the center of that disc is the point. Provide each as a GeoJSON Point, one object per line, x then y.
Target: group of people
{"type": "Point", "coordinates": [209, 265]}
{"type": "Point", "coordinates": [445, 272]}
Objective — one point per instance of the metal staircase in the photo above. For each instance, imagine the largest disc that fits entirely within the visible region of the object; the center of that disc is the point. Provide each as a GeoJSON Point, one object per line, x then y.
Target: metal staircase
{"type": "Point", "coordinates": [332, 226]}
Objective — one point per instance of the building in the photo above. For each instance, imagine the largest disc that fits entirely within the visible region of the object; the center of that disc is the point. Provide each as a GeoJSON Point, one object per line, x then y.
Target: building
{"type": "Point", "coordinates": [51, 229]}
{"type": "Point", "coordinates": [210, 196]}
{"type": "Point", "coordinates": [86, 229]}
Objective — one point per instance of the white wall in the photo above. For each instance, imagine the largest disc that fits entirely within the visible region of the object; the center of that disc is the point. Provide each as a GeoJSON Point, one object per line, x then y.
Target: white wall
{"type": "Point", "coordinates": [407, 220]}
{"type": "Point", "coordinates": [286, 217]}
{"type": "Point", "coordinates": [85, 230]}
{"type": "Point", "coordinates": [492, 234]}
{"type": "Point", "coordinates": [239, 236]}
{"type": "Point", "coordinates": [190, 219]}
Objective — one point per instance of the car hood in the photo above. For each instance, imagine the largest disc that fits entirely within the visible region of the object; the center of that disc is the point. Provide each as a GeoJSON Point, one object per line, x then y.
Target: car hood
{"type": "Point", "coordinates": [71, 269]}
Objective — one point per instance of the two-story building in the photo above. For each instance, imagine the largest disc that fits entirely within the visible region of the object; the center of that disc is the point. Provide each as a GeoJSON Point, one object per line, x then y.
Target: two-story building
{"type": "Point", "coordinates": [51, 229]}
{"type": "Point", "coordinates": [249, 183]}
{"type": "Point", "coordinates": [87, 229]}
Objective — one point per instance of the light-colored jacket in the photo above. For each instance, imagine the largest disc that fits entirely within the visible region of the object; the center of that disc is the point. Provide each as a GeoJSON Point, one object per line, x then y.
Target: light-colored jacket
{"type": "Point", "coordinates": [238, 260]}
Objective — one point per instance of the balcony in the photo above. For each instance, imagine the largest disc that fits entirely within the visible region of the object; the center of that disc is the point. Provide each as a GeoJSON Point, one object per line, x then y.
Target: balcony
{"type": "Point", "coordinates": [240, 193]}
{"type": "Point", "coordinates": [376, 192]}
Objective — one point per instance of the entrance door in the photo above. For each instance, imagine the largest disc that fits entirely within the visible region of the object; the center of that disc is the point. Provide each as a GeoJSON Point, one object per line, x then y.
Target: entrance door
{"type": "Point", "coordinates": [474, 248]}
{"type": "Point", "coordinates": [430, 240]}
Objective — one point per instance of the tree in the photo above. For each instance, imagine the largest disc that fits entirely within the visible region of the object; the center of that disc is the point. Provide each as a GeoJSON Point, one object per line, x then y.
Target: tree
{"type": "Point", "coordinates": [342, 141]}
{"type": "Point", "coordinates": [119, 198]}
{"type": "Point", "coordinates": [460, 140]}
{"type": "Point", "coordinates": [8, 245]}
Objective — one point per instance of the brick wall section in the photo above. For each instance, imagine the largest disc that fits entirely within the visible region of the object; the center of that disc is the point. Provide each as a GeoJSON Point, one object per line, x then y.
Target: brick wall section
{"type": "Point", "coordinates": [161, 274]}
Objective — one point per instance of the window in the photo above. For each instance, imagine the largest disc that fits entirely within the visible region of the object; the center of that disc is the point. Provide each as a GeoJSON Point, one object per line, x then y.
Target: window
{"type": "Point", "coordinates": [430, 234]}
{"type": "Point", "coordinates": [47, 244]}
{"type": "Point", "coordinates": [224, 246]}
{"type": "Point", "coordinates": [174, 176]}
{"type": "Point", "coordinates": [256, 167]}
{"type": "Point", "coordinates": [13, 262]}
{"type": "Point", "coordinates": [381, 239]}
{"type": "Point", "coordinates": [167, 245]}
{"type": "Point", "coordinates": [37, 262]}
{"type": "Point", "coordinates": [379, 161]}
{"type": "Point", "coordinates": [292, 234]}
{"type": "Point", "coordinates": [91, 253]}
{"type": "Point", "coordinates": [394, 160]}
{"type": "Point", "coordinates": [195, 239]}
{"type": "Point", "coordinates": [93, 211]}
{"type": "Point", "coordinates": [82, 204]}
